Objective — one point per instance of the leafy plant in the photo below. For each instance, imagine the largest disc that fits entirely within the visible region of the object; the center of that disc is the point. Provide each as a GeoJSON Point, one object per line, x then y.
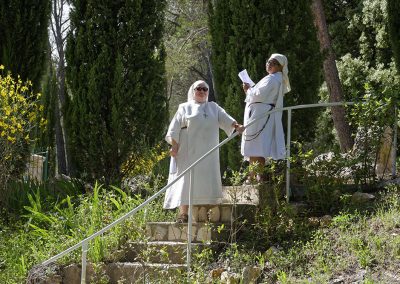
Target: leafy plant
{"type": "Point", "coordinates": [19, 111]}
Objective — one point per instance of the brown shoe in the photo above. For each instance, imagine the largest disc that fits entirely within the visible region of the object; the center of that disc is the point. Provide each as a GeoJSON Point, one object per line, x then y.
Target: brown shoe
{"type": "Point", "coordinates": [182, 218]}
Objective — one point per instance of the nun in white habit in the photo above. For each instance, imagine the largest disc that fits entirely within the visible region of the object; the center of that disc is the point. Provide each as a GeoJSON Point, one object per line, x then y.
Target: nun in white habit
{"type": "Point", "coordinates": [265, 138]}
{"type": "Point", "coordinates": [193, 131]}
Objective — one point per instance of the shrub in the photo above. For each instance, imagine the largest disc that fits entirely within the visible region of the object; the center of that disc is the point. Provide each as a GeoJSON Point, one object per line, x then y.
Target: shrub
{"type": "Point", "coordinates": [19, 112]}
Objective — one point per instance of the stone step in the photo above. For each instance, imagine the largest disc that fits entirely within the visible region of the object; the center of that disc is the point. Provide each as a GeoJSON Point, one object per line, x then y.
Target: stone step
{"type": "Point", "coordinates": [201, 232]}
{"type": "Point", "coordinates": [124, 272]}
{"type": "Point", "coordinates": [244, 194]}
{"type": "Point", "coordinates": [159, 252]}
{"type": "Point", "coordinates": [222, 213]}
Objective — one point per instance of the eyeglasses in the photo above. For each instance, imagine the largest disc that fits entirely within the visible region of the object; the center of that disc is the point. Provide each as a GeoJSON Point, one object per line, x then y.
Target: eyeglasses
{"type": "Point", "coordinates": [272, 63]}
{"type": "Point", "coordinates": [204, 89]}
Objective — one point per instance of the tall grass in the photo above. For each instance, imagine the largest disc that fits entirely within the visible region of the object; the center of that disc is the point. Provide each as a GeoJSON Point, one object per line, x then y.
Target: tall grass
{"type": "Point", "coordinates": [49, 226]}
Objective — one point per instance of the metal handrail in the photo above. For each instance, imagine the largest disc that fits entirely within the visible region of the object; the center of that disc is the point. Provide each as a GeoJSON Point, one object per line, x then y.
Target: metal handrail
{"type": "Point", "coordinates": [289, 132]}
{"type": "Point", "coordinates": [84, 243]}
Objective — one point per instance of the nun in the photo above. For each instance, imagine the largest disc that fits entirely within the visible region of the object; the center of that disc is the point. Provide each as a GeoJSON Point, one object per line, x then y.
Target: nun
{"type": "Point", "coordinates": [265, 138]}
{"type": "Point", "coordinates": [193, 131]}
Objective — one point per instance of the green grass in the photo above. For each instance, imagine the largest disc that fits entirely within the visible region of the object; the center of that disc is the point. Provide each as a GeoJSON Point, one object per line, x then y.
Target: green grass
{"type": "Point", "coordinates": [361, 243]}
{"type": "Point", "coordinates": [47, 227]}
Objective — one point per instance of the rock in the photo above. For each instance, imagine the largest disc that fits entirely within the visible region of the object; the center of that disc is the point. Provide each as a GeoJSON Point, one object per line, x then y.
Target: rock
{"type": "Point", "coordinates": [214, 214]}
{"type": "Point", "coordinates": [325, 220]}
{"type": "Point", "coordinates": [298, 207]}
{"type": "Point", "coordinates": [72, 274]}
{"type": "Point", "coordinates": [230, 278]}
{"type": "Point", "coordinates": [202, 214]}
{"type": "Point", "coordinates": [274, 249]}
{"type": "Point", "coordinates": [40, 274]}
{"type": "Point", "coordinates": [339, 280]}
{"type": "Point", "coordinates": [216, 273]}
{"type": "Point", "coordinates": [195, 213]}
{"type": "Point", "coordinates": [250, 274]}
{"type": "Point", "coordinates": [362, 197]}
{"type": "Point", "coordinates": [386, 153]}
{"type": "Point", "coordinates": [313, 221]}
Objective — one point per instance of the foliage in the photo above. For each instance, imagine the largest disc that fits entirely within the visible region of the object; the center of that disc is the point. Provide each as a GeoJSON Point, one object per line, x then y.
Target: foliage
{"type": "Point", "coordinates": [373, 65]}
{"type": "Point", "coordinates": [115, 73]}
{"type": "Point", "coordinates": [46, 140]}
{"type": "Point", "coordinates": [19, 111]}
{"type": "Point", "coordinates": [51, 224]}
{"type": "Point", "coordinates": [24, 38]}
{"type": "Point", "coordinates": [325, 133]}
{"type": "Point", "coordinates": [393, 9]}
{"type": "Point", "coordinates": [188, 49]}
{"type": "Point", "coordinates": [244, 34]}
{"type": "Point", "coordinates": [145, 161]}
{"type": "Point", "coordinates": [286, 248]}
{"type": "Point", "coordinates": [359, 31]}
{"type": "Point", "coordinates": [356, 245]}
{"type": "Point", "coordinates": [325, 178]}
{"type": "Point", "coordinates": [374, 117]}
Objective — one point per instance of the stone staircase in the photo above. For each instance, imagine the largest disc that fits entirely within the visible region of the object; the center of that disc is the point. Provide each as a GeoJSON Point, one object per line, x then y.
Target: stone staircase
{"type": "Point", "coordinates": [163, 257]}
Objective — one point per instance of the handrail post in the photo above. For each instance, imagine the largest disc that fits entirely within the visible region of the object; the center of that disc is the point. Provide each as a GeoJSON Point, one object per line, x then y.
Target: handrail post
{"type": "Point", "coordinates": [189, 228]}
{"type": "Point", "coordinates": [288, 137]}
{"type": "Point", "coordinates": [84, 253]}
{"type": "Point", "coordinates": [394, 152]}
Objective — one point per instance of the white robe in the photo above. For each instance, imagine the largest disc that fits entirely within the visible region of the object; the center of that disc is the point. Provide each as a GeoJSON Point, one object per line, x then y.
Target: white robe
{"type": "Point", "coordinates": [195, 127]}
{"type": "Point", "coordinates": [264, 138]}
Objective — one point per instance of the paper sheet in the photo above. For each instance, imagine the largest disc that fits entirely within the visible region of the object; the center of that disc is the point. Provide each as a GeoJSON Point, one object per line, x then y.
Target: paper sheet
{"type": "Point", "coordinates": [244, 76]}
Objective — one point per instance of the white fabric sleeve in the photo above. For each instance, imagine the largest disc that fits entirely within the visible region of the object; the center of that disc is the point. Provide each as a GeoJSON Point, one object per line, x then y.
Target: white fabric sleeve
{"type": "Point", "coordinates": [175, 126]}
{"type": "Point", "coordinates": [260, 92]}
{"type": "Point", "coordinates": [225, 120]}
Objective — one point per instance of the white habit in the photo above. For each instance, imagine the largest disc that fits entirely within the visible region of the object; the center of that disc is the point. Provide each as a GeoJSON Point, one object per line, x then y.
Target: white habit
{"type": "Point", "coordinates": [195, 127]}
{"type": "Point", "coordinates": [264, 138]}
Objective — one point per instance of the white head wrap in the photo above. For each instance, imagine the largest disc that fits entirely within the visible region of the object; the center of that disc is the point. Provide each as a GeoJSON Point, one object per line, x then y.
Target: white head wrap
{"type": "Point", "coordinates": [285, 78]}
{"type": "Point", "coordinates": [190, 95]}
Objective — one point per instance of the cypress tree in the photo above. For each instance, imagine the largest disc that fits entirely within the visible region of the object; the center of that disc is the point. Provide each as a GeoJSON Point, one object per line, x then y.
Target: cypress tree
{"type": "Point", "coordinates": [115, 72]}
{"type": "Point", "coordinates": [24, 37]}
{"type": "Point", "coordinates": [393, 8]}
{"type": "Point", "coordinates": [255, 30]}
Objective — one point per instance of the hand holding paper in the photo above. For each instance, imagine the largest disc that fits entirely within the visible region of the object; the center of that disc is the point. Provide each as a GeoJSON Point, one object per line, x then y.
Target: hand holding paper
{"type": "Point", "coordinates": [246, 78]}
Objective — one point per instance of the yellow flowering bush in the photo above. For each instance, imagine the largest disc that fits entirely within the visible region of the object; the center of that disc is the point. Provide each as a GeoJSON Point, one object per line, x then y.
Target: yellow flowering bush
{"type": "Point", "coordinates": [19, 113]}
{"type": "Point", "coordinates": [144, 162]}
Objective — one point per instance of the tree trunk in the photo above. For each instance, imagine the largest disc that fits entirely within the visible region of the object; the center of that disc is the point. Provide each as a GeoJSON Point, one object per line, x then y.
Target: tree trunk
{"type": "Point", "coordinates": [332, 78]}
{"type": "Point", "coordinates": [61, 140]}
{"type": "Point", "coordinates": [60, 132]}
{"type": "Point", "coordinates": [60, 145]}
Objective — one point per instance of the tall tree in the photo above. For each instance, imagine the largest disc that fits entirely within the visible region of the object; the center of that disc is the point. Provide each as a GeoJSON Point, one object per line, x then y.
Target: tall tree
{"type": "Point", "coordinates": [23, 38]}
{"type": "Point", "coordinates": [188, 48]}
{"type": "Point", "coordinates": [393, 9]}
{"type": "Point", "coordinates": [116, 75]}
{"type": "Point", "coordinates": [332, 78]}
{"type": "Point", "coordinates": [59, 29]}
{"type": "Point", "coordinates": [244, 34]}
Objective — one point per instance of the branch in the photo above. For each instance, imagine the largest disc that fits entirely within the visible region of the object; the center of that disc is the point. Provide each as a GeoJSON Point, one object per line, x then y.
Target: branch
{"type": "Point", "coordinates": [192, 35]}
{"type": "Point", "coordinates": [198, 72]}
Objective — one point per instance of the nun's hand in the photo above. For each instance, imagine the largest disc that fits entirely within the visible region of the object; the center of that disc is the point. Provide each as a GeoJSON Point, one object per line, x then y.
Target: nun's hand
{"type": "Point", "coordinates": [174, 150]}
{"type": "Point", "coordinates": [240, 129]}
{"type": "Point", "coordinates": [246, 86]}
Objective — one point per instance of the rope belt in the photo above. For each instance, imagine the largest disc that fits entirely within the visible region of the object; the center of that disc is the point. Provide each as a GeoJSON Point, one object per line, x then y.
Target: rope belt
{"type": "Point", "coordinates": [255, 135]}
